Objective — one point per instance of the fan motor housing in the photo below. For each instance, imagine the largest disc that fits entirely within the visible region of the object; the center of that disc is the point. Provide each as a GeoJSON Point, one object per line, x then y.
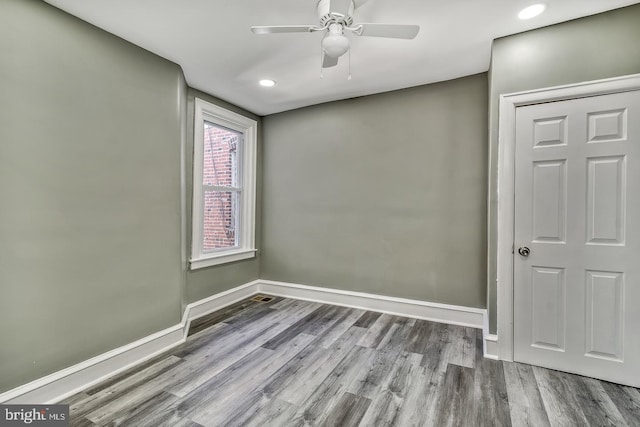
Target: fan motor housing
{"type": "Point", "coordinates": [326, 16]}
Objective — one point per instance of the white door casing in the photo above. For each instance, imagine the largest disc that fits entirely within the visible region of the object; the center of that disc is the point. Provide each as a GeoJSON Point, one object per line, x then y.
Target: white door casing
{"type": "Point", "coordinates": [577, 209]}
{"type": "Point", "coordinates": [606, 172]}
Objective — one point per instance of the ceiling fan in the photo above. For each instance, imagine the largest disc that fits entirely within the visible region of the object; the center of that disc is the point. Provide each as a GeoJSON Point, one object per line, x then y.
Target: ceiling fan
{"type": "Point", "coordinates": [335, 17]}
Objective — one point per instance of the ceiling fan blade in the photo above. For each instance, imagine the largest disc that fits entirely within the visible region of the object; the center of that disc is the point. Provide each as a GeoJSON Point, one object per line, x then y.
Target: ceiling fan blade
{"type": "Point", "coordinates": [394, 31]}
{"type": "Point", "coordinates": [273, 29]}
{"type": "Point", "coordinates": [329, 61]}
{"type": "Point", "coordinates": [340, 6]}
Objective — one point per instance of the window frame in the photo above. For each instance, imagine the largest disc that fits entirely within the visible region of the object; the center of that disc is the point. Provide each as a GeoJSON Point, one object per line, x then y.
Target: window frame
{"type": "Point", "coordinates": [248, 128]}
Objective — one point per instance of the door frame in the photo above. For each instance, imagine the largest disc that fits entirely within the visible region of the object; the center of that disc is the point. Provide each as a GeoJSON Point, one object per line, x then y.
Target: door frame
{"type": "Point", "coordinates": [506, 184]}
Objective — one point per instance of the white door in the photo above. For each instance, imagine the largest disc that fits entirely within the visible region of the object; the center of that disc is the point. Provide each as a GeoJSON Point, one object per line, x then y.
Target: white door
{"type": "Point", "coordinates": [577, 211]}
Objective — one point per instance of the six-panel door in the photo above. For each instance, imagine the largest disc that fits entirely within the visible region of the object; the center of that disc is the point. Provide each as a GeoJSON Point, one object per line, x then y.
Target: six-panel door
{"type": "Point", "coordinates": [577, 194]}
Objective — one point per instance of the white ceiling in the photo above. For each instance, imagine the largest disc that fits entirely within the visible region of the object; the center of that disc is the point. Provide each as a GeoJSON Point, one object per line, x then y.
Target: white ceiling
{"type": "Point", "coordinates": [212, 42]}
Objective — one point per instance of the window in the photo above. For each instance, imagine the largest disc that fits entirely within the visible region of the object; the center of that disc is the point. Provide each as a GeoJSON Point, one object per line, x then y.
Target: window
{"type": "Point", "coordinates": [224, 182]}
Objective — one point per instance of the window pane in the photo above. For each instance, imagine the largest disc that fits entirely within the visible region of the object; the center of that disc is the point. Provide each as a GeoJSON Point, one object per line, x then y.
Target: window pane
{"type": "Point", "coordinates": [220, 220]}
{"type": "Point", "coordinates": [220, 167]}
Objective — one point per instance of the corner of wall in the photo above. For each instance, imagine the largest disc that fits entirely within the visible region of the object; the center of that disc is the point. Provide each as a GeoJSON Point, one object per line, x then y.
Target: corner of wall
{"type": "Point", "coordinates": [182, 111]}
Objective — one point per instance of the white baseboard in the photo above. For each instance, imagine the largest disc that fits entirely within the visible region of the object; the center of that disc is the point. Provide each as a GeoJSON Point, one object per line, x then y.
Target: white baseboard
{"type": "Point", "coordinates": [69, 381]}
{"type": "Point", "coordinates": [216, 302]}
{"type": "Point", "coordinates": [66, 382]}
{"type": "Point", "coordinates": [436, 312]}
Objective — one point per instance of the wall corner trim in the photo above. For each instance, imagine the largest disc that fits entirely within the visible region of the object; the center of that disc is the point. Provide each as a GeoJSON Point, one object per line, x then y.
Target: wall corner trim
{"type": "Point", "coordinates": [69, 381]}
{"type": "Point", "coordinates": [490, 346]}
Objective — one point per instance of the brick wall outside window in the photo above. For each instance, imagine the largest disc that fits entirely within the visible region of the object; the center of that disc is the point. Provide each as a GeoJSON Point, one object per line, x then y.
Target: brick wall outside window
{"type": "Point", "coordinates": [220, 167]}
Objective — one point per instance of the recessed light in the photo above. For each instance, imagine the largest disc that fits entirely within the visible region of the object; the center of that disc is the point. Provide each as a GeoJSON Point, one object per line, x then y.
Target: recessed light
{"type": "Point", "coordinates": [532, 11]}
{"type": "Point", "coordinates": [267, 83]}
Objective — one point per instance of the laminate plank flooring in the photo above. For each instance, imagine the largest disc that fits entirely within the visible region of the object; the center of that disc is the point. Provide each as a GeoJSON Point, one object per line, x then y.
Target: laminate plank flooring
{"type": "Point", "coordinates": [296, 363]}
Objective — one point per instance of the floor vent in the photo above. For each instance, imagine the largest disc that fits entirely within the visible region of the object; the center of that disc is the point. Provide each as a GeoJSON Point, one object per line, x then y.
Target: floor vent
{"type": "Point", "coordinates": [262, 298]}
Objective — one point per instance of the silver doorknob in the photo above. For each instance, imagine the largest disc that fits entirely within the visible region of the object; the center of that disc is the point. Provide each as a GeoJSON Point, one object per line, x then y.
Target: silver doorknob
{"type": "Point", "coordinates": [524, 251]}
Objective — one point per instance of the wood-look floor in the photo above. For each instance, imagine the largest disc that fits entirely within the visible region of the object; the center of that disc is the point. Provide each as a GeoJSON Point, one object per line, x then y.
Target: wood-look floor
{"type": "Point", "coordinates": [294, 363]}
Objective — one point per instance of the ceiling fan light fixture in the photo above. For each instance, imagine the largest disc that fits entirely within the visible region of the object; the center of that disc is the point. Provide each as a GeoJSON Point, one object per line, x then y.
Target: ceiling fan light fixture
{"type": "Point", "coordinates": [336, 17]}
{"type": "Point", "coordinates": [335, 45]}
{"type": "Point", "coordinates": [267, 82]}
{"type": "Point", "coordinates": [532, 11]}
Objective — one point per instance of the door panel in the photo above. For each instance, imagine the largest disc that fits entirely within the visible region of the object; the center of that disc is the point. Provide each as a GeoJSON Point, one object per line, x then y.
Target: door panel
{"type": "Point", "coordinates": [550, 131]}
{"type": "Point", "coordinates": [577, 208]}
{"type": "Point", "coordinates": [606, 191]}
{"type": "Point", "coordinates": [549, 203]}
{"type": "Point", "coordinates": [548, 308]}
{"type": "Point", "coordinates": [607, 126]}
{"type": "Point", "coordinates": [605, 302]}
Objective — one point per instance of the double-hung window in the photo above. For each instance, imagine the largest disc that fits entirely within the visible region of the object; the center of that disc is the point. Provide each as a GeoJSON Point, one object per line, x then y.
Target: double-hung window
{"type": "Point", "coordinates": [224, 183]}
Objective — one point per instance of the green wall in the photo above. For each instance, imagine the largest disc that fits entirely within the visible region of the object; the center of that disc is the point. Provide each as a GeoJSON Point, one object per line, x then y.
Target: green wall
{"type": "Point", "coordinates": [596, 47]}
{"type": "Point", "coordinates": [383, 194]}
{"type": "Point", "coordinates": [204, 282]}
{"type": "Point", "coordinates": [92, 238]}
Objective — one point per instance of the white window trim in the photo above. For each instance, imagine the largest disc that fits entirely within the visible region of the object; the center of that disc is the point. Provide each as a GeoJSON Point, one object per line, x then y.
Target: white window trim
{"type": "Point", "coordinates": [246, 239]}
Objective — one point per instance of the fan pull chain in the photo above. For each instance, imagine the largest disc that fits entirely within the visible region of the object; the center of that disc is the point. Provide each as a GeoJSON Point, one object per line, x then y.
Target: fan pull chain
{"type": "Point", "coordinates": [349, 78]}
{"type": "Point", "coordinates": [321, 58]}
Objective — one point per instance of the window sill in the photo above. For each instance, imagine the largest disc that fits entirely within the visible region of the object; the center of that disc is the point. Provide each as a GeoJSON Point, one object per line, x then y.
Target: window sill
{"type": "Point", "coordinates": [222, 258]}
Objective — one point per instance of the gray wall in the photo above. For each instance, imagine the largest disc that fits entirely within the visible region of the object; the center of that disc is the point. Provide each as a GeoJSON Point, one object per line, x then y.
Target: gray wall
{"type": "Point", "coordinates": [92, 245]}
{"type": "Point", "coordinates": [383, 194]}
{"type": "Point", "coordinates": [596, 47]}
{"type": "Point", "coordinates": [208, 281]}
